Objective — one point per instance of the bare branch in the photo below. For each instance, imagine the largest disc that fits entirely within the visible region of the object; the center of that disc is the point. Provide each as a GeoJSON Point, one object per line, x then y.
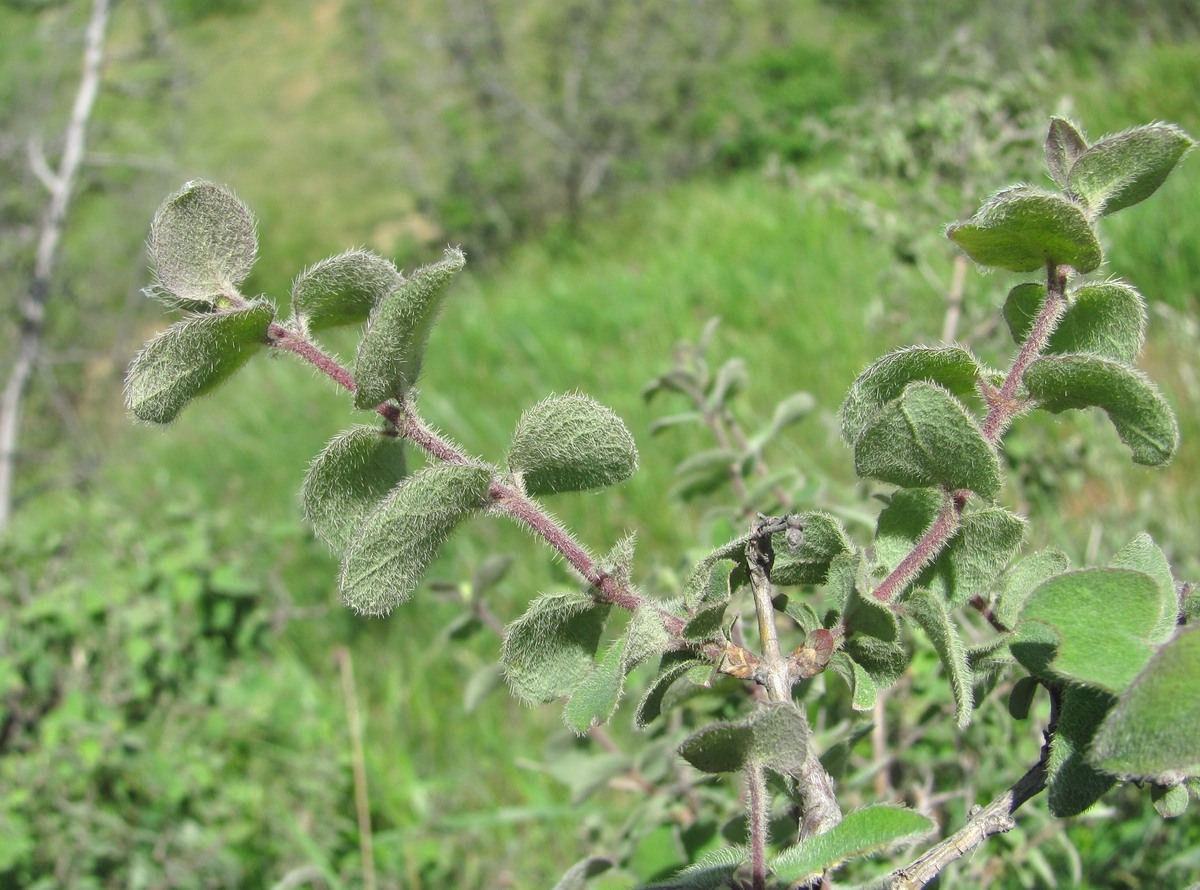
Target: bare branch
{"type": "Point", "coordinates": [33, 306]}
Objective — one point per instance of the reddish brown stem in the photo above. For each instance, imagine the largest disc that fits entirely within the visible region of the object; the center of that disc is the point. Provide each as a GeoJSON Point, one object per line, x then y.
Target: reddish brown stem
{"type": "Point", "coordinates": [1003, 406]}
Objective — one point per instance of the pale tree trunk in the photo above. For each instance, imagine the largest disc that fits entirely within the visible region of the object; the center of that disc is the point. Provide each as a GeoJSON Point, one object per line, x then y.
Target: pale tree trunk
{"type": "Point", "coordinates": [32, 309]}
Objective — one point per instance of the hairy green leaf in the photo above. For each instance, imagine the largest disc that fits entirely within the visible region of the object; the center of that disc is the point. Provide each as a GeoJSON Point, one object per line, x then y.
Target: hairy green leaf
{"type": "Point", "coordinates": [393, 348]}
{"type": "Point", "coordinates": [719, 747]}
{"type": "Point", "coordinates": [986, 540]}
{"type": "Point", "coordinates": [581, 872]}
{"type": "Point", "coordinates": [952, 367]}
{"type": "Point", "coordinates": [929, 611]}
{"type": "Point", "coordinates": [202, 243]}
{"type": "Point", "coordinates": [1143, 555]}
{"type": "Point", "coordinates": [1122, 170]}
{"type": "Point", "coordinates": [906, 518]}
{"type": "Point", "coordinates": [672, 671]}
{"type": "Point", "coordinates": [1143, 419]}
{"type": "Point", "coordinates": [387, 559]}
{"type": "Point", "coordinates": [824, 538]}
{"type": "Point", "coordinates": [863, 691]}
{"type": "Point", "coordinates": [1171, 802]}
{"type": "Point", "coordinates": [712, 871]}
{"type": "Point", "coordinates": [571, 443]}
{"type": "Point", "coordinates": [551, 649]}
{"type": "Point", "coordinates": [1064, 144]}
{"type": "Point", "coordinates": [343, 289]}
{"type": "Point", "coordinates": [926, 438]}
{"type": "Point", "coordinates": [1020, 698]}
{"type": "Point", "coordinates": [645, 638]}
{"type": "Point", "coordinates": [1021, 229]}
{"type": "Point", "coordinates": [1151, 733]}
{"type": "Point", "coordinates": [885, 661]}
{"type": "Point", "coordinates": [861, 833]}
{"type": "Point", "coordinates": [1092, 626]}
{"type": "Point", "coordinates": [193, 357]}
{"type": "Point", "coordinates": [773, 736]}
{"type": "Point", "coordinates": [1108, 320]}
{"type": "Point", "coordinates": [348, 480]}
{"type": "Point", "coordinates": [594, 700]}
{"type": "Point", "coordinates": [1074, 784]}
{"type": "Point", "coordinates": [1023, 579]}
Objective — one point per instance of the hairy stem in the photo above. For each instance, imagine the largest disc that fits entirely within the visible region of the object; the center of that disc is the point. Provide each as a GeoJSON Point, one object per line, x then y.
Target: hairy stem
{"type": "Point", "coordinates": [758, 810]}
{"type": "Point", "coordinates": [506, 499]}
{"type": "Point", "coordinates": [1004, 405]}
{"type": "Point", "coordinates": [820, 810]}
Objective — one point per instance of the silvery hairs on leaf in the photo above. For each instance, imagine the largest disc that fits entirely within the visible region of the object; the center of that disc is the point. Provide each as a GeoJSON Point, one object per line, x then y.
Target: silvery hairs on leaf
{"type": "Point", "coordinates": [202, 243]}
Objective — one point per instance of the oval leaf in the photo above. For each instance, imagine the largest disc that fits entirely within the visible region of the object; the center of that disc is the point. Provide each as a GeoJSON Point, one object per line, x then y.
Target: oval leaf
{"type": "Point", "coordinates": [1151, 733]}
{"type": "Point", "coordinates": [202, 243]}
{"type": "Point", "coordinates": [1021, 229]}
{"type": "Point", "coordinates": [551, 649]}
{"type": "Point", "coordinates": [193, 357]}
{"type": "Point", "coordinates": [393, 347]}
{"type": "Point", "coordinates": [386, 561]}
{"type": "Point", "coordinates": [571, 443]}
{"type": "Point", "coordinates": [1091, 626]}
{"type": "Point", "coordinates": [348, 480]}
{"type": "Point", "coordinates": [1121, 170]}
{"type": "Point", "coordinates": [772, 736]}
{"type": "Point", "coordinates": [342, 289]}
{"type": "Point", "coordinates": [952, 367]}
{"type": "Point", "coordinates": [926, 438]}
{"type": "Point", "coordinates": [1143, 419]}
{"type": "Point", "coordinates": [861, 833]}
{"type": "Point", "coordinates": [1108, 320]}
{"type": "Point", "coordinates": [824, 538]}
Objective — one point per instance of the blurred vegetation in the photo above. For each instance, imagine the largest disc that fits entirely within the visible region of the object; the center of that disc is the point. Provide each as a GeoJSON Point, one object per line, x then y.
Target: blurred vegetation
{"type": "Point", "coordinates": [170, 713]}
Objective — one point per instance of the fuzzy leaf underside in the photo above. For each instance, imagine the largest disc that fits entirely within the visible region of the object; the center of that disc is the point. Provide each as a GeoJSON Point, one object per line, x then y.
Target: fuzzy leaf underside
{"type": "Point", "coordinates": [1091, 626]}
{"type": "Point", "coordinates": [1151, 733]}
{"type": "Point", "coordinates": [1122, 170]}
{"type": "Point", "coordinates": [202, 243]}
{"type": "Point", "coordinates": [193, 357]}
{"type": "Point", "coordinates": [551, 649]}
{"type": "Point", "coordinates": [348, 480]}
{"type": "Point", "coordinates": [926, 438]}
{"type": "Point", "coordinates": [1107, 320]}
{"type": "Point", "coordinates": [951, 367]}
{"type": "Point", "coordinates": [861, 833]}
{"type": "Point", "coordinates": [343, 289]}
{"type": "Point", "coordinates": [389, 556]}
{"type": "Point", "coordinates": [392, 349]}
{"type": "Point", "coordinates": [571, 443]}
{"type": "Point", "coordinates": [1021, 229]}
{"type": "Point", "coordinates": [1141, 416]}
